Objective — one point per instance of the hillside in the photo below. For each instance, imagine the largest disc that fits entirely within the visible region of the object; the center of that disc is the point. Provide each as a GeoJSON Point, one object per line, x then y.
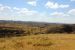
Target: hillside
{"type": "Point", "coordinates": [20, 35]}
{"type": "Point", "coordinates": [39, 42]}
{"type": "Point", "coordinates": [18, 28]}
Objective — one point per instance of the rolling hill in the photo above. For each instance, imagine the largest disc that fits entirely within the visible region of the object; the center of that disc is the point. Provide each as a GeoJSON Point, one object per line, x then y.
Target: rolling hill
{"type": "Point", "coordinates": [17, 28]}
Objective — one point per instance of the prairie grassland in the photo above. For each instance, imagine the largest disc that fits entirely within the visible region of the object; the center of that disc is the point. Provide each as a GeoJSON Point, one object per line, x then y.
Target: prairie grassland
{"type": "Point", "coordinates": [39, 42]}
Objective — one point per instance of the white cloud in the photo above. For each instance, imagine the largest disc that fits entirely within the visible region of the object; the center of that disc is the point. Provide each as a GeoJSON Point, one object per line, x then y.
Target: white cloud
{"type": "Point", "coordinates": [1, 8]}
{"type": "Point", "coordinates": [24, 11]}
{"type": "Point", "coordinates": [72, 12]}
{"type": "Point", "coordinates": [62, 17]}
{"type": "Point", "coordinates": [59, 14]}
{"type": "Point", "coordinates": [22, 14]}
{"type": "Point", "coordinates": [5, 8]}
{"type": "Point", "coordinates": [5, 12]}
{"type": "Point", "coordinates": [55, 5]}
{"type": "Point", "coordinates": [63, 6]}
{"type": "Point", "coordinates": [33, 3]}
{"type": "Point", "coordinates": [15, 8]}
{"type": "Point", "coordinates": [25, 14]}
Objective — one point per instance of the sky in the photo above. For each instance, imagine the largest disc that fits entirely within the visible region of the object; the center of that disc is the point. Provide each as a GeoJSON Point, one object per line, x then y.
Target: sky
{"type": "Point", "coordinates": [59, 11]}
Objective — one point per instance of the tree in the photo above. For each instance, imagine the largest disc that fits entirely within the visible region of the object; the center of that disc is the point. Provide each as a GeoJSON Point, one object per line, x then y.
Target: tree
{"type": "Point", "coordinates": [67, 28]}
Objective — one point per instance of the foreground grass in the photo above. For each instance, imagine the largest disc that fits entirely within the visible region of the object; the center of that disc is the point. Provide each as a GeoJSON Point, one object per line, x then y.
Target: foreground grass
{"type": "Point", "coordinates": [39, 42]}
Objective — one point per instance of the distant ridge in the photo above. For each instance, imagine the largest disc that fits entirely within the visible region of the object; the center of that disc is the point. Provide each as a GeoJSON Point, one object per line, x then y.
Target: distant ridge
{"type": "Point", "coordinates": [17, 28]}
{"type": "Point", "coordinates": [29, 22]}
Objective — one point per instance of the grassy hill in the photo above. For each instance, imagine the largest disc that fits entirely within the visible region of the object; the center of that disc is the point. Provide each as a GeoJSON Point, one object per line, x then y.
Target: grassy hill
{"type": "Point", "coordinates": [19, 35]}
{"type": "Point", "coordinates": [17, 28]}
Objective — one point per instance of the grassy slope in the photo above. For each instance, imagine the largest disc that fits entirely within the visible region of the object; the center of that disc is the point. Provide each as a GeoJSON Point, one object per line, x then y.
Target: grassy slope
{"type": "Point", "coordinates": [55, 41]}
{"type": "Point", "coordinates": [37, 42]}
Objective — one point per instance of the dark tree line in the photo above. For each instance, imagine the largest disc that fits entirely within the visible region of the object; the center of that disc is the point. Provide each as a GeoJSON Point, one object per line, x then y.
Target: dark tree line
{"type": "Point", "coordinates": [64, 29]}
{"type": "Point", "coordinates": [10, 32]}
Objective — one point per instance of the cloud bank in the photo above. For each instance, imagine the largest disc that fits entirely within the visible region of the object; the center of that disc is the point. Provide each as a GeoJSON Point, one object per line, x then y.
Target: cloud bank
{"type": "Point", "coordinates": [53, 5]}
{"type": "Point", "coordinates": [25, 14]}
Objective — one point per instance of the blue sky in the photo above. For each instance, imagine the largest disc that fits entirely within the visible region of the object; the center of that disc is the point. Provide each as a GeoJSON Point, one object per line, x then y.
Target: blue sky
{"type": "Point", "coordinates": [62, 11]}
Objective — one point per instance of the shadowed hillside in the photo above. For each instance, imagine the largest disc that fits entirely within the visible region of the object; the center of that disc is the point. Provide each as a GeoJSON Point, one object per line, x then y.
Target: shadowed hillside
{"type": "Point", "coordinates": [19, 28]}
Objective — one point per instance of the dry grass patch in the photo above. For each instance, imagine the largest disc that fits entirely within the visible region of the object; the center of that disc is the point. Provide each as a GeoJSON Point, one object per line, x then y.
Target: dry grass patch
{"type": "Point", "coordinates": [39, 42]}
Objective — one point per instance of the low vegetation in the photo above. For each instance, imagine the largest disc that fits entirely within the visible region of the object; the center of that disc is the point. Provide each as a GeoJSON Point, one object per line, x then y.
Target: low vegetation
{"type": "Point", "coordinates": [15, 29]}
{"type": "Point", "coordinates": [36, 36]}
